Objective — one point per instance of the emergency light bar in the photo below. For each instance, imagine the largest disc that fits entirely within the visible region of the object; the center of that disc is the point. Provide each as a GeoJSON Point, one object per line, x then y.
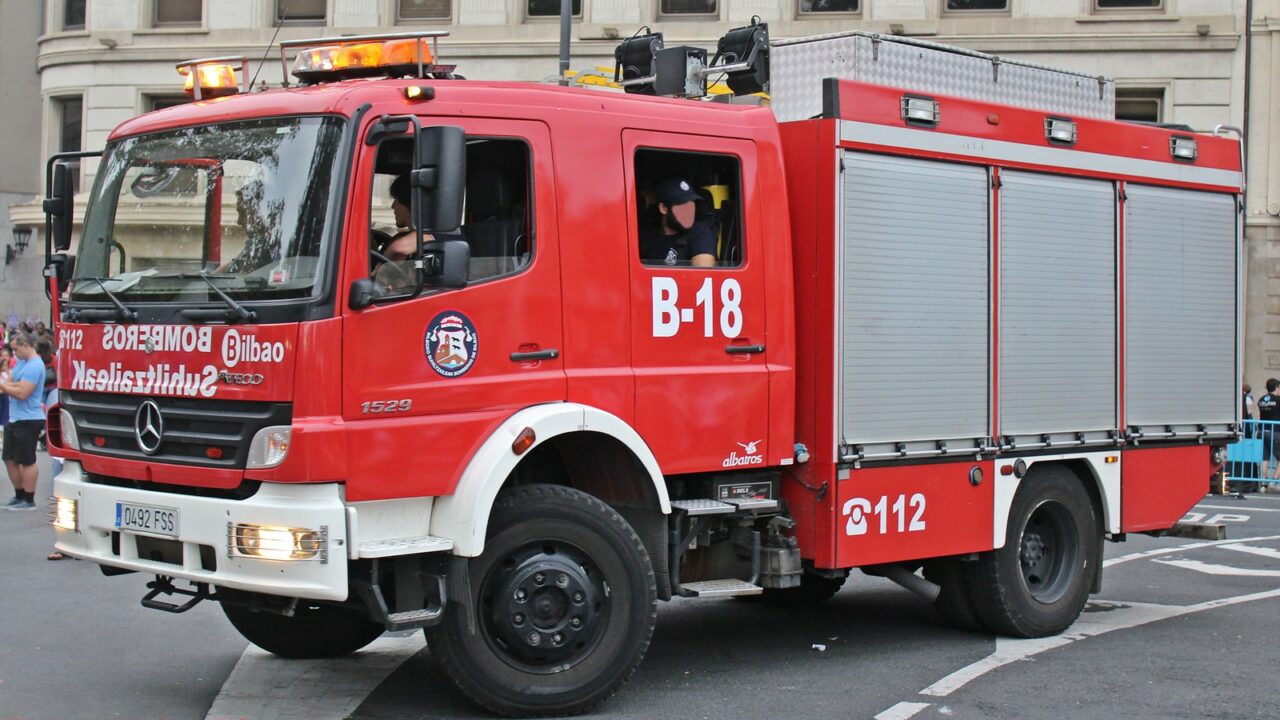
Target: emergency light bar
{"type": "Point", "coordinates": [214, 77]}
{"type": "Point", "coordinates": [388, 55]}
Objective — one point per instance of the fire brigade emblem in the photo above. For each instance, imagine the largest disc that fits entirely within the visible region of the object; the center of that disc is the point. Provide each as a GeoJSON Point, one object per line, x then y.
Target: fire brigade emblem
{"type": "Point", "coordinates": [451, 343]}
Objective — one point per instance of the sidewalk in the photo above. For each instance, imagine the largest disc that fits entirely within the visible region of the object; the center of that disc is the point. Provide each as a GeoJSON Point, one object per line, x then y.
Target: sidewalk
{"type": "Point", "coordinates": [76, 644]}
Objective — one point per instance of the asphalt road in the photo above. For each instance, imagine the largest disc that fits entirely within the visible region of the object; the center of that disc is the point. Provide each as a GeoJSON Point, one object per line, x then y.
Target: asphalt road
{"type": "Point", "coordinates": [1182, 629]}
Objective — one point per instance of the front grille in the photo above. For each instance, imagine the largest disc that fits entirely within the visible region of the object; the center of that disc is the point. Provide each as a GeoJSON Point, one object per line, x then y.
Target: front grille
{"type": "Point", "coordinates": [206, 433]}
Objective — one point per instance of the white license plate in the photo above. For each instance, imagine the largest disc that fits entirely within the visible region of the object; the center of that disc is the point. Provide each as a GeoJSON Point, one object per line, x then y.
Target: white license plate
{"type": "Point", "coordinates": [147, 519]}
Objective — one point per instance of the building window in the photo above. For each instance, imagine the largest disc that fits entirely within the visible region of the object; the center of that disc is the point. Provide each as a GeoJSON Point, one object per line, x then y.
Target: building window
{"type": "Point", "coordinates": [688, 7]}
{"type": "Point", "coordinates": [829, 6]}
{"type": "Point", "coordinates": [160, 102]}
{"type": "Point", "coordinates": [301, 12]}
{"type": "Point", "coordinates": [73, 14]}
{"type": "Point", "coordinates": [178, 12]}
{"type": "Point", "coordinates": [1128, 4]}
{"type": "Point", "coordinates": [1140, 104]}
{"type": "Point", "coordinates": [977, 5]}
{"type": "Point", "coordinates": [550, 8]}
{"type": "Point", "coordinates": [69, 114]}
{"type": "Point", "coordinates": [425, 9]}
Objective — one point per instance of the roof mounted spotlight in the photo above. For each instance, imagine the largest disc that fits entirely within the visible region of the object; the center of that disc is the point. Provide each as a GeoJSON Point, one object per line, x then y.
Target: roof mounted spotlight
{"type": "Point", "coordinates": [636, 62]}
{"type": "Point", "coordinates": [743, 55]}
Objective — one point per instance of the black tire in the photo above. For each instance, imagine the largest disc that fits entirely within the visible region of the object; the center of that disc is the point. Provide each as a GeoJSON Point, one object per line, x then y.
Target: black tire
{"type": "Point", "coordinates": [314, 631]}
{"type": "Point", "coordinates": [953, 602]}
{"type": "Point", "coordinates": [813, 590]}
{"type": "Point", "coordinates": [1038, 583]}
{"type": "Point", "coordinates": [561, 566]}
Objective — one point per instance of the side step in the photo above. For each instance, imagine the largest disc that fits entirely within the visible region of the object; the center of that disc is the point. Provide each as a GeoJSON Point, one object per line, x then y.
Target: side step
{"type": "Point", "coordinates": [706, 506]}
{"type": "Point", "coordinates": [721, 588]}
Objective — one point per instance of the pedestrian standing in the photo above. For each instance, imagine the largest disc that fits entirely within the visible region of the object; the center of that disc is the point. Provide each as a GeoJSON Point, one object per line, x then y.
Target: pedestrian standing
{"type": "Point", "coordinates": [26, 419]}
{"type": "Point", "coordinates": [1269, 419]}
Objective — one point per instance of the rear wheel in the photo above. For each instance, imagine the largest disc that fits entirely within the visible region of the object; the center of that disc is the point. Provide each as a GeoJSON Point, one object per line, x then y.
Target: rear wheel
{"type": "Point", "coordinates": [1037, 584]}
{"type": "Point", "coordinates": [953, 602]}
{"type": "Point", "coordinates": [314, 631]}
{"type": "Point", "coordinates": [565, 604]}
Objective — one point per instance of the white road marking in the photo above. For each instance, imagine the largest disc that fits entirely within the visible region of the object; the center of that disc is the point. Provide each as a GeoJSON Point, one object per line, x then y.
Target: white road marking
{"type": "Point", "coordinates": [1100, 617]}
{"type": "Point", "coordinates": [265, 686]}
{"type": "Point", "coordinates": [1253, 550]}
{"type": "Point", "coordinates": [902, 711]}
{"type": "Point", "coordinates": [1181, 548]}
{"type": "Point", "coordinates": [1211, 569]}
{"type": "Point", "coordinates": [1237, 508]}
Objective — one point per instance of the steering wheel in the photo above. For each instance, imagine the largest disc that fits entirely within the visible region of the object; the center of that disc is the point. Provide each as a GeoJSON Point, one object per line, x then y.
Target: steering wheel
{"type": "Point", "coordinates": [397, 272]}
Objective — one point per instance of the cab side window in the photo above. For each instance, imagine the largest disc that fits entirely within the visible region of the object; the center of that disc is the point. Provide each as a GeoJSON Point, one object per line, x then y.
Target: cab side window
{"type": "Point", "coordinates": [497, 217]}
{"type": "Point", "coordinates": [689, 208]}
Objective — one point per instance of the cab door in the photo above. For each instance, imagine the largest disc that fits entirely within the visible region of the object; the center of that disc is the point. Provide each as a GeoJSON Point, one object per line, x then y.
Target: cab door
{"type": "Point", "coordinates": [698, 334]}
{"type": "Point", "coordinates": [426, 380]}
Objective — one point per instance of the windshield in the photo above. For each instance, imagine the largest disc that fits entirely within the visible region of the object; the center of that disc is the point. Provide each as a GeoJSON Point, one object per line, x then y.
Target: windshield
{"type": "Point", "coordinates": [245, 204]}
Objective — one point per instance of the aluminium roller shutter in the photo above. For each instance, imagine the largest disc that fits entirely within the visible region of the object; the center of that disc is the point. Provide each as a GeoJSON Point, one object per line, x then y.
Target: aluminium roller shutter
{"type": "Point", "coordinates": [1057, 307]}
{"type": "Point", "coordinates": [1180, 309]}
{"type": "Point", "coordinates": [914, 304]}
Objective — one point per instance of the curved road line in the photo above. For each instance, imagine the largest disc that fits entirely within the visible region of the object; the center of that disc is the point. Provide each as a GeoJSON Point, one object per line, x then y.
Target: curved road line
{"type": "Point", "coordinates": [1099, 617]}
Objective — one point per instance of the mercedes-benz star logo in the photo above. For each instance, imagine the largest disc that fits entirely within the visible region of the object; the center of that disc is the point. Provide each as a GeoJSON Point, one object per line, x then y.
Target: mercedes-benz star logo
{"type": "Point", "coordinates": [148, 427]}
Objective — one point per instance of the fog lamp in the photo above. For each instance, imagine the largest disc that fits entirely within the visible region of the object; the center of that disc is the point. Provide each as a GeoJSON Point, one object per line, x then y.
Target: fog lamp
{"type": "Point", "coordinates": [276, 543]}
{"type": "Point", "coordinates": [65, 514]}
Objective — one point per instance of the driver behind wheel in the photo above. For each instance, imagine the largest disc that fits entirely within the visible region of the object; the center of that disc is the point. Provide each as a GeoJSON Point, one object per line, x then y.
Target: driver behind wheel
{"type": "Point", "coordinates": [394, 270]}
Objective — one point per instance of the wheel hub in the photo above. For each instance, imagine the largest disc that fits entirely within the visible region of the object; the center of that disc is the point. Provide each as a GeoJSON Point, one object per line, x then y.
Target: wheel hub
{"type": "Point", "coordinates": [545, 608]}
{"type": "Point", "coordinates": [1046, 558]}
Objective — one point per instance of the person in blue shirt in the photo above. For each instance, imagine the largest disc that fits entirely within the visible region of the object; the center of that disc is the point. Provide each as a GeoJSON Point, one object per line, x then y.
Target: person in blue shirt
{"type": "Point", "coordinates": [26, 418]}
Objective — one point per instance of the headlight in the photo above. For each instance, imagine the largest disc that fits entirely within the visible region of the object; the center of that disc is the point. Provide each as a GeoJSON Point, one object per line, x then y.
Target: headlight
{"type": "Point", "coordinates": [65, 515]}
{"type": "Point", "coordinates": [269, 447]}
{"type": "Point", "coordinates": [1219, 456]}
{"type": "Point", "coordinates": [277, 543]}
{"type": "Point", "coordinates": [69, 438]}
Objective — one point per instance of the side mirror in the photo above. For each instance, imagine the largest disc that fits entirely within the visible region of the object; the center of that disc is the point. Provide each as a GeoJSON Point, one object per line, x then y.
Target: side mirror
{"type": "Point", "coordinates": [439, 178]}
{"type": "Point", "coordinates": [363, 293]}
{"type": "Point", "coordinates": [60, 206]}
{"type": "Point", "coordinates": [63, 267]}
{"type": "Point", "coordinates": [446, 263]}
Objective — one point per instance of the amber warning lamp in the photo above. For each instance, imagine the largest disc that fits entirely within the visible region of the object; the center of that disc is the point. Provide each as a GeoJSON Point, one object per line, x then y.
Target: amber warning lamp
{"type": "Point", "coordinates": [411, 54]}
{"type": "Point", "coordinates": [214, 77]}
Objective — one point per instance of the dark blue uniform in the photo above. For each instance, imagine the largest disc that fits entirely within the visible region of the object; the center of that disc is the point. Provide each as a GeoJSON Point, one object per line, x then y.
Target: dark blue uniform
{"type": "Point", "coordinates": [1268, 409]}
{"type": "Point", "coordinates": [678, 249]}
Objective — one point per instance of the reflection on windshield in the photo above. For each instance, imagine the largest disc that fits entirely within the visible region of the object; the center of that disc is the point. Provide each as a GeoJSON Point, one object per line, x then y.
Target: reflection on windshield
{"type": "Point", "coordinates": [244, 203]}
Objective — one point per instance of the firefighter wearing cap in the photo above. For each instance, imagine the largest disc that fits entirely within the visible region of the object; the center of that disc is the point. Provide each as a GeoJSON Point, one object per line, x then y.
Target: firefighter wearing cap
{"type": "Point", "coordinates": [679, 238]}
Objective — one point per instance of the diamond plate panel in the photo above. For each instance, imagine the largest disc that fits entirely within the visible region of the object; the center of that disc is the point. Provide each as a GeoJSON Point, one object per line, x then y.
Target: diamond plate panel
{"type": "Point", "coordinates": [799, 66]}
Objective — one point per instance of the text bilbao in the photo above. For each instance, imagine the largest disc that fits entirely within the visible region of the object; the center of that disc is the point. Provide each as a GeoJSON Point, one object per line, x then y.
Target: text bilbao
{"type": "Point", "coordinates": [165, 378]}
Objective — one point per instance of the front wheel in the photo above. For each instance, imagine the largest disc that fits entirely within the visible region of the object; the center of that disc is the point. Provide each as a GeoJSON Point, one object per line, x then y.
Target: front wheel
{"type": "Point", "coordinates": [1038, 583]}
{"type": "Point", "coordinates": [565, 604]}
{"type": "Point", "coordinates": [313, 631]}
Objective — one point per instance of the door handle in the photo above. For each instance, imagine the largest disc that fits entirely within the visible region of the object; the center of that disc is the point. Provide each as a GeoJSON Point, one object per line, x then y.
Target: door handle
{"type": "Point", "coordinates": [744, 349]}
{"type": "Point", "coordinates": [549, 354]}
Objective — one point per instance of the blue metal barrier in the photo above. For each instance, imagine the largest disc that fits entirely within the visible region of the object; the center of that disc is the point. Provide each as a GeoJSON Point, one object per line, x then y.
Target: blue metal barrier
{"type": "Point", "coordinates": [1247, 459]}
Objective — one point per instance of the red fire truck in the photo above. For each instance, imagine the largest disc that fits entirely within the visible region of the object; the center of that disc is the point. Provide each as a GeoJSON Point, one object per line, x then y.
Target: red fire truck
{"type": "Point", "coordinates": [388, 348]}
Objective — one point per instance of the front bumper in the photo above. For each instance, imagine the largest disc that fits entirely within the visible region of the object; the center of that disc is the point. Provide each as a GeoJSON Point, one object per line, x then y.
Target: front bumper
{"type": "Point", "coordinates": [203, 535]}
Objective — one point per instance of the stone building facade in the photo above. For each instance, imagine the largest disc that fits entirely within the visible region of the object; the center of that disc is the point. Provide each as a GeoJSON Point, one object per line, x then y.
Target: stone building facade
{"type": "Point", "coordinates": [1176, 61]}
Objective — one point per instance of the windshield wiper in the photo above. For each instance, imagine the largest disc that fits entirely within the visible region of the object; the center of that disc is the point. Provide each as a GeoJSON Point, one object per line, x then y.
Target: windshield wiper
{"type": "Point", "coordinates": [121, 311]}
{"type": "Point", "coordinates": [235, 311]}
